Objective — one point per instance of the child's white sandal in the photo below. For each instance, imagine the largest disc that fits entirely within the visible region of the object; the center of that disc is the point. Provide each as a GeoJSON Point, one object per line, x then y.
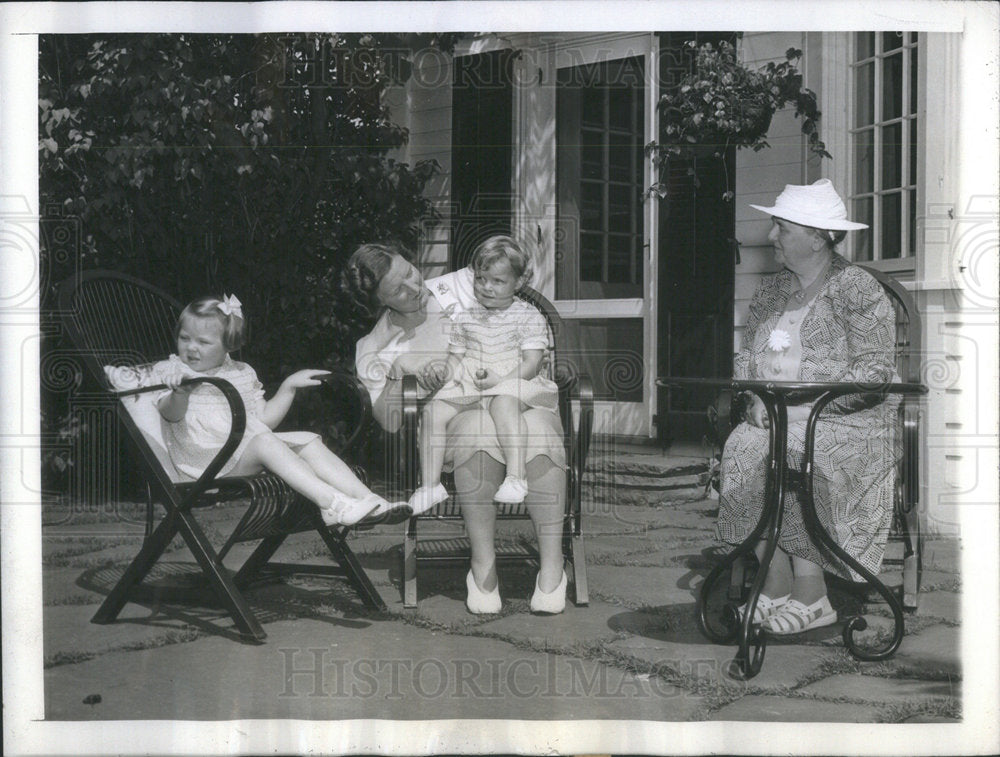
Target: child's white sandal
{"type": "Point", "coordinates": [424, 498]}
{"type": "Point", "coordinates": [346, 511]}
{"type": "Point", "coordinates": [512, 491]}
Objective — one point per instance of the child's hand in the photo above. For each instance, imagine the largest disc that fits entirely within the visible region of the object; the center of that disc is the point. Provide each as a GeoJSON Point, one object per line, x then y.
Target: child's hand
{"type": "Point", "coordinates": [304, 378]}
{"type": "Point", "coordinates": [434, 375]}
{"type": "Point", "coordinates": [485, 379]}
{"type": "Point", "coordinates": [173, 375]}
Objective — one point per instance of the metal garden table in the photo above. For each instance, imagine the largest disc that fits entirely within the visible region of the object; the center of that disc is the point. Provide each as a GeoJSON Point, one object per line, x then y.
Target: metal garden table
{"type": "Point", "coordinates": [777, 396]}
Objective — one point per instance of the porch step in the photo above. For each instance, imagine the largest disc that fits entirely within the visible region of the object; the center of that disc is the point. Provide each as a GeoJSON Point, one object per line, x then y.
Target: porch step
{"type": "Point", "coordinates": [645, 480]}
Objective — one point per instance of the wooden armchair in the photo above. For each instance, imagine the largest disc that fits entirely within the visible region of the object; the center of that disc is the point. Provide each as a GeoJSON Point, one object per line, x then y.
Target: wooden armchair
{"type": "Point", "coordinates": [574, 390]}
{"type": "Point", "coordinates": [121, 325]}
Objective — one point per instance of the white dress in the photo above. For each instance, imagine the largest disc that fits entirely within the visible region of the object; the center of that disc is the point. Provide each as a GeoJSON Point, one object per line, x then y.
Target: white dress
{"type": "Point", "coordinates": [471, 431]}
{"type": "Point", "coordinates": [493, 340]}
{"type": "Point", "coordinates": [194, 440]}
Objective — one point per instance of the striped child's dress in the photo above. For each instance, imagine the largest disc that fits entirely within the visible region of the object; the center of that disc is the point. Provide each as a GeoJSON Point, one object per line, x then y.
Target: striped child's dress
{"type": "Point", "coordinates": [493, 339]}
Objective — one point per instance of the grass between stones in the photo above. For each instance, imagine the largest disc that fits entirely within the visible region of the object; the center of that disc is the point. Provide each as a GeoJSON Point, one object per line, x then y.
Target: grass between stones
{"type": "Point", "coordinates": [171, 637]}
{"type": "Point", "coordinates": [899, 712]}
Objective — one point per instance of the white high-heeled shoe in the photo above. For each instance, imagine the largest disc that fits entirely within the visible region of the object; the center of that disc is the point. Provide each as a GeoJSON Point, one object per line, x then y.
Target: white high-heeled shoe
{"type": "Point", "coordinates": [551, 603]}
{"type": "Point", "coordinates": [481, 602]}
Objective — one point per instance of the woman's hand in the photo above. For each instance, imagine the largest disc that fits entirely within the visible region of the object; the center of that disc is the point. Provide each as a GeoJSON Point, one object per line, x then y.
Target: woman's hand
{"type": "Point", "coordinates": [431, 374]}
{"type": "Point", "coordinates": [434, 374]}
{"type": "Point", "coordinates": [485, 379]}
{"type": "Point", "coordinates": [304, 378]}
{"type": "Point", "coordinates": [756, 413]}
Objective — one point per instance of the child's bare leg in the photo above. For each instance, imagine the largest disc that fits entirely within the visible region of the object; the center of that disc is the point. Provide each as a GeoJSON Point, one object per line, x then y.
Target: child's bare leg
{"type": "Point", "coordinates": [506, 412]}
{"type": "Point", "coordinates": [268, 451]}
{"type": "Point", "coordinates": [331, 469]}
{"type": "Point", "coordinates": [433, 429]}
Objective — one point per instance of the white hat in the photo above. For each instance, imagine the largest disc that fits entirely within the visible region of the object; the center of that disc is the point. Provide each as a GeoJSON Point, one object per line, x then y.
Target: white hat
{"type": "Point", "coordinates": [817, 205]}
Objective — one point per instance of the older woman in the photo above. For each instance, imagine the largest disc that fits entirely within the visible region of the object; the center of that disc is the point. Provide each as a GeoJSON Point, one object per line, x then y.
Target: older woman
{"type": "Point", "coordinates": [819, 319]}
{"type": "Point", "coordinates": [411, 336]}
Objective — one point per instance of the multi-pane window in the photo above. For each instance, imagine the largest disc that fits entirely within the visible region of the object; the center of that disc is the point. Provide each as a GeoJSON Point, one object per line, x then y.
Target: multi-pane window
{"type": "Point", "coordinates": [600, 177]}
{"type": "Point", "coordinates": [884, 142]}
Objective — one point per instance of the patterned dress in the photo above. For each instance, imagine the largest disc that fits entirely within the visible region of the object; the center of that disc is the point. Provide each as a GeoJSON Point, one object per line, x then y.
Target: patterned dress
{"type": "Point", "coordinates": [847, 333]}
{"type": "Point", "coordinates": [493, 339]}
{"type": "Point", "coordinates": [196, 438]}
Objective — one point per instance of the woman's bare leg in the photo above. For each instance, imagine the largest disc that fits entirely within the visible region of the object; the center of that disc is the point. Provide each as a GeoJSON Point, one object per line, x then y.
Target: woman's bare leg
{"type": "Point", "coordinates": [506, 412]}
{"type": "Point", "coordinates": [475, 482]}
{"type": "Point", "coordinates": [546, 502]}
{"type": "Point", "coordinates": [809, 585]}
{"type": "Point", "coordinates": [778, 581]}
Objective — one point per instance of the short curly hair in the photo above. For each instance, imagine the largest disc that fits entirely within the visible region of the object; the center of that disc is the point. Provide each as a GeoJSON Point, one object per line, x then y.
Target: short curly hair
{"type": "Point", "coordinates": [365, 269]}
{"type": "Point", "coordinates": [206, 308]}
{"type": "Point", "coordinates": [502, 247]}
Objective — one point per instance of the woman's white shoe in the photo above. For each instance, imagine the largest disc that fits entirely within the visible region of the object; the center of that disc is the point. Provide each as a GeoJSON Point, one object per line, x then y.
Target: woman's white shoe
{"type": "Point", "coordinates": [551, 603]}
{"type": "Point", "coordinates": [481, 602]}
{"type": "Point", "coordinates": [766, 607]}
{"type": "Point", "coordinates": [424, 498]}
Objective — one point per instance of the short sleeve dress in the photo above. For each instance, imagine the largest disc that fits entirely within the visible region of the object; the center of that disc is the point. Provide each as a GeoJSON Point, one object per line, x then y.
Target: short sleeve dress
{"type": "Point", "coordinates": [471, 431]}
{"type": "Point", "coordinates": [194, 440]}
{"type": "Point", "coordinates": [493, 339]}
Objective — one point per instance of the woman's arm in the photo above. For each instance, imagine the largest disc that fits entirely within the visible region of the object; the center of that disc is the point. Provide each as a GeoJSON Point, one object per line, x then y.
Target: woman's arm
{"type": "Point", "coordinates": [869, 323]}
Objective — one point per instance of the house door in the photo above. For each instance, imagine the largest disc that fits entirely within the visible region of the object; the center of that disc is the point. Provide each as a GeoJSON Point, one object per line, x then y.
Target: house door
{"type": "Point", "coordinates": [605, 220]}
{"type": "Point", "coordinates": [696, 268]}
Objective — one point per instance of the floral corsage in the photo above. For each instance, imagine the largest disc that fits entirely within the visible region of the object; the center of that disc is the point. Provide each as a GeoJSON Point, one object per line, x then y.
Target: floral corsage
{"type": "Point", "coordinates": [779, 340]}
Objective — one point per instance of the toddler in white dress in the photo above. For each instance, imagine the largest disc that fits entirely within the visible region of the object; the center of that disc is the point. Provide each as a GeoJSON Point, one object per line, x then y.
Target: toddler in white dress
{"type": "Point", "coordinates": [495, 352]}
{"type": "Point", "coordinates": [198, 417]}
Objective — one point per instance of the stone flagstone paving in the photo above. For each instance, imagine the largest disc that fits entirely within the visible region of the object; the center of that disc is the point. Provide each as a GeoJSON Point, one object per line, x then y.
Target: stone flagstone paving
{"type": "Point", "coordinates": [634, 653]}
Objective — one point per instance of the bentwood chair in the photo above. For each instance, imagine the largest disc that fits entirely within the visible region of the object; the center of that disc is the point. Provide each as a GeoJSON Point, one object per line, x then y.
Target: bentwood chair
{"type": "Point", "coordinates": [906, 530]}
{"type": "Point", "coordinates": [121, 325]}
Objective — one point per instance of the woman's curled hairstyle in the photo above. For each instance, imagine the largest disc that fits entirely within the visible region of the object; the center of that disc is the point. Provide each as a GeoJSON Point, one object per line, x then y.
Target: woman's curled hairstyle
{"type": "Point", "coordinates": [365, 269]}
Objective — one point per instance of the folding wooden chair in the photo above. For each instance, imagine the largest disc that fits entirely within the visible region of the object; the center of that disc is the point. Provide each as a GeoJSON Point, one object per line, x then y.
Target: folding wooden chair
{"type": "Point", "coordinates": [574, 389]}
{"type": "Point", "coordinates": [906, 528]}
{"type": "Point", "coordinates": [121, 325]}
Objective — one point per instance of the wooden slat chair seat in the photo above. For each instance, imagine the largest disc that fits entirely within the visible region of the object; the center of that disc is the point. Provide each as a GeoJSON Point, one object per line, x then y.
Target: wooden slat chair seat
{"type": "Point", "coordinates": [575, 391]}
{"type": "Point", "coordinates": [118, 324]}
{"type": "Point", "coordinates": [906, 529]}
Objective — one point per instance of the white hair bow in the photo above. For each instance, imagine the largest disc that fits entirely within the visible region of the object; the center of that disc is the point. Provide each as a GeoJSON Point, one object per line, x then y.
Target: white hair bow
{"type": "Point", "coordinates": [231, 306]}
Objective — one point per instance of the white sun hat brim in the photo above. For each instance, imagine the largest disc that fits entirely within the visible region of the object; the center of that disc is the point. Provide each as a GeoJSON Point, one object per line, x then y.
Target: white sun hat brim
{"type": "Point", "coordinates": [817, 205]}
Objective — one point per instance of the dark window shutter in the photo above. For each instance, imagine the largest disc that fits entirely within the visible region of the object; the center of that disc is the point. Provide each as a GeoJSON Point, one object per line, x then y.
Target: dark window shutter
{"type": "Point", "coordinates": [481, 151]}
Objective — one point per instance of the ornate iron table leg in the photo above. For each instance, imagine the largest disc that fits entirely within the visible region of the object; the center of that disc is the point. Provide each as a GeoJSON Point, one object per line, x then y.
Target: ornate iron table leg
{"type": "Point", "coordinates": [856, 623]}
{"type": "Point", "coordinates": [749, 634]}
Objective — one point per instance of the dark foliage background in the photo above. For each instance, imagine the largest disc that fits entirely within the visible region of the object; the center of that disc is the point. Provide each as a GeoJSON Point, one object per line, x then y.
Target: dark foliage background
{"type": "Point", "coordinates": [246, 164]}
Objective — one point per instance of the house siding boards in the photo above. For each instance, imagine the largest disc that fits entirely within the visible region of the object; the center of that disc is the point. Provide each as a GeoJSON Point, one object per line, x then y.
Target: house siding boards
{"type": "Point", "coordinates": [426, 111]}
{"type": "Point", "coordinates": [959, 334]}
{"type": "Point", "coordinates": [760, 176]}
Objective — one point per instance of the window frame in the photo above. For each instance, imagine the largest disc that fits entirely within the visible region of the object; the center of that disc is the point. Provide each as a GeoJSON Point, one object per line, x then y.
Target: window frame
{"type": "Point", "coordinates": [909, 168]}
{"type": "Point", "coordinates": [837, 103]}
